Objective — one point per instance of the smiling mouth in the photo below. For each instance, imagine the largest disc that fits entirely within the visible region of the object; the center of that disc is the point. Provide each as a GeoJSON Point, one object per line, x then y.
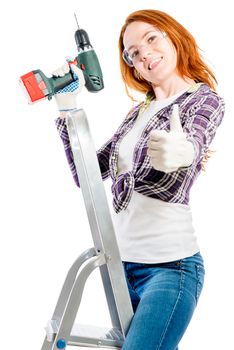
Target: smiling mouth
{"type": "Point", "coordinates": [154, 63]}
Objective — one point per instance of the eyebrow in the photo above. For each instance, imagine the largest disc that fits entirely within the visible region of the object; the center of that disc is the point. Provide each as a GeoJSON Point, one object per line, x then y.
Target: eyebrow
{"type": "Point", "coordinates": [144, 35]}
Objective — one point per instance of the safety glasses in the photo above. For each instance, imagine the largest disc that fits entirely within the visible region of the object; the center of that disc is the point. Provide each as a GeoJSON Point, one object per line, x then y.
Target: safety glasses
{"type": "Point", "coordinates": [151, 41]}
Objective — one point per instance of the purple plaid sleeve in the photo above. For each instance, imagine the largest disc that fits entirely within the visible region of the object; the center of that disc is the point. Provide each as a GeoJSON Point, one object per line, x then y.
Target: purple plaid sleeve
{"type": "Point", "coordinates": [62, 129]}
{"type": "Point", "coordinates": [103, 154]}
{"type": "Point", "coordinates": [202, 122]}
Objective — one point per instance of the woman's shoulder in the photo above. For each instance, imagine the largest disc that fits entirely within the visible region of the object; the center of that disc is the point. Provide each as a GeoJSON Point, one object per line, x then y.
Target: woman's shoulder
{"type": "Point", "coordinates": [201, 95]}
{"type": "Point", "coordinates": [205, 91]}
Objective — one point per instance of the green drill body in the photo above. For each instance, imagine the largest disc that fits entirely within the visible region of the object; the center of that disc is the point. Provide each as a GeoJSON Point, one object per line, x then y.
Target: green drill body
{"type": "Point", "coordinates": [38, 86]}
{"type": "Point", "coordinates": [88, 62]}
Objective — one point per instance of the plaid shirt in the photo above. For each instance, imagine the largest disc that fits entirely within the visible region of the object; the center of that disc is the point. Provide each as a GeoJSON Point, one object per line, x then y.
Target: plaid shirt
{"type": "Point", "coordinates": [201, 112]}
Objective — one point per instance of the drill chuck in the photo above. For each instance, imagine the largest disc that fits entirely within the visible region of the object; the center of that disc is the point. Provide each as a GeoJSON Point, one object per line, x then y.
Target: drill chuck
{"type": "Point", "coordinates": [88, 61]}
{"type": "Point", "coordinates": [82, 40]}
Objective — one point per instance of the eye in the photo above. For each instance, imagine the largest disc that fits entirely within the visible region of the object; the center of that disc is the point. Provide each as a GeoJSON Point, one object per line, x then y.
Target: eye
{"type": "Point", "coordinates": [152, 38]}
{"type": "Point", "coordinates": [134, 54]}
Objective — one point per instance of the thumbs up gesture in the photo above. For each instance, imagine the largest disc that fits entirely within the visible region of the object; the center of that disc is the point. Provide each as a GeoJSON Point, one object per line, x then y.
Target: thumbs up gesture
{"type": "Point", "coordinates": [171, 150]}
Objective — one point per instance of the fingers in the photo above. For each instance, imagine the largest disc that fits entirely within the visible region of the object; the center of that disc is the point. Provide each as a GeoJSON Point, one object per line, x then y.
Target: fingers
{"type": "Point", "coordinates": [65, 68]}
{"type": "Point", "coordinates": [157, 138]}
{"type": "Point", "coordinates": [153, 153]}
{"type": "Point", "coordinates": [77, 72]}
{"type": "Point", "coordinates": [157, 143]}
{"type": "Point", "coordinates": [61, 71]}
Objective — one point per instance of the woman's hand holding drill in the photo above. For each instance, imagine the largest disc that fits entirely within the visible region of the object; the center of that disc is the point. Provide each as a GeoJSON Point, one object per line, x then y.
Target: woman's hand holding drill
{"type": "Point", "coordinates": [66, 97]}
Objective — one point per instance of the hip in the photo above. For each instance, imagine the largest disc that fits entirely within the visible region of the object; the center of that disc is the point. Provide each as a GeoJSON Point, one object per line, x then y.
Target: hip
{"type": "Point", "coordinates": [180, 276]}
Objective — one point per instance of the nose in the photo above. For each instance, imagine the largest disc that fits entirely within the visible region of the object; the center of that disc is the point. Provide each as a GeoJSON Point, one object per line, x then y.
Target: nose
{"type": "Point", "coordinates": [145, 52]}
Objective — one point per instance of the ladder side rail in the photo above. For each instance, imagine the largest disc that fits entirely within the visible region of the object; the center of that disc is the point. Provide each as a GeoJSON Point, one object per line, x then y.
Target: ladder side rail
{"type": "Point", "coordinates": [87, 192]}
{"type": "Point", "coordinates": [100, 221]}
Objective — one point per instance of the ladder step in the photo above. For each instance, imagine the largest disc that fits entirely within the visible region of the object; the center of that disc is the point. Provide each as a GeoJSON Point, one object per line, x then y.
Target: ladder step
{"type": "Point", "coordinates": [93, 336]}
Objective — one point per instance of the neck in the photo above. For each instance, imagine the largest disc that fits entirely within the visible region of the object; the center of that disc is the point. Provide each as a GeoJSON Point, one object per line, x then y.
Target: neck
{"type": "Point", "coordinates": [171, 87]}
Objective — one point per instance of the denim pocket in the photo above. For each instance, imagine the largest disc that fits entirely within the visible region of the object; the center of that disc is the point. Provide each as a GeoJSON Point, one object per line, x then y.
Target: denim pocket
{"type": "Point", "coordinates": [200, 280]}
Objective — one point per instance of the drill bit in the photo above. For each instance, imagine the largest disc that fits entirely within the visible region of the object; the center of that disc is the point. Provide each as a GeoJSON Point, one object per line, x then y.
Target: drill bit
{"type": "Point", "coordinates": [76, 21]}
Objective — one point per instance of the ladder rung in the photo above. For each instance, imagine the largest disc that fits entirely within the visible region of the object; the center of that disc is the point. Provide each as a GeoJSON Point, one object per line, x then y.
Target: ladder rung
{"type": "Point", "coordinates": [93, 336]}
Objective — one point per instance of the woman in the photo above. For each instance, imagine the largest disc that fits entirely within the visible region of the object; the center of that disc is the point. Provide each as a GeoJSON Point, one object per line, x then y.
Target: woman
{"type": "Point", "coordinates": [153, 159]}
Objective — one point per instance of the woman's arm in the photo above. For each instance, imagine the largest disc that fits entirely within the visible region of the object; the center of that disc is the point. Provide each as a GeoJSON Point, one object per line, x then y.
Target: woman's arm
{"type": "Point", "coordinates": [202, 123]}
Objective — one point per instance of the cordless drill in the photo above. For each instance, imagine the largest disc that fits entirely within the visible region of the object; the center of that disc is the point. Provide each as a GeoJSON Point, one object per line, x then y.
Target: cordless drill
{"type": "Point", "coordinates": [37, 85]}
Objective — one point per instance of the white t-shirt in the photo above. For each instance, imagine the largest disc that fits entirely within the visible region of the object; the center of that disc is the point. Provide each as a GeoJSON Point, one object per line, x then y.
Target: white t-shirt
{"type": "Point", "coordinates": [150, 230]}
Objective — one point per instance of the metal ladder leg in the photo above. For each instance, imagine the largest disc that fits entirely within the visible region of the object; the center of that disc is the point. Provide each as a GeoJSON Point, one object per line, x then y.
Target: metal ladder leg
{"type": "Point", "coordinates": [106, 251]}
{"type": "Point", "coordinates": [65, 295]}
{"type": "Point", "coordinates": [63, 327]}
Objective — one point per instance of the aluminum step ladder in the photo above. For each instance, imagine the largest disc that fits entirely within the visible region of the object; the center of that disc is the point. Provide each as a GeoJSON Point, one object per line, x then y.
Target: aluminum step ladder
{"type": "Point", "coordinates": [61, 330]}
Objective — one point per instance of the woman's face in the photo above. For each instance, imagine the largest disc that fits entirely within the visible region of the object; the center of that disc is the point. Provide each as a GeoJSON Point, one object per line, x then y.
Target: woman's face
{"type": "Point", "coordinates": [151, 51]}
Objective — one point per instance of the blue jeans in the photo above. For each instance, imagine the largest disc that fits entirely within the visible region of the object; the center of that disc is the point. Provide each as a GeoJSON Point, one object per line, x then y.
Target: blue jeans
{"type": "Point", "coordinates": [164, 297]}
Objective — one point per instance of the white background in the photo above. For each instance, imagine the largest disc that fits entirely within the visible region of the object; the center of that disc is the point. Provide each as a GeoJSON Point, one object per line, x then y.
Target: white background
{"type": "Point", "coordinates": [43, 221]}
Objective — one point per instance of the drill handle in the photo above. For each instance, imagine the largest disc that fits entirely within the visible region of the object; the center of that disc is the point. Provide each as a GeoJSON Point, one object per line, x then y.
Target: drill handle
{"type": "Point", "coordinates": [59, 83]}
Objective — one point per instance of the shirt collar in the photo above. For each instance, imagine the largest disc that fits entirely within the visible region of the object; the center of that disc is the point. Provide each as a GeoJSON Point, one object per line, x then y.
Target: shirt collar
{"type": "Point", "coordinates": [193, 88]}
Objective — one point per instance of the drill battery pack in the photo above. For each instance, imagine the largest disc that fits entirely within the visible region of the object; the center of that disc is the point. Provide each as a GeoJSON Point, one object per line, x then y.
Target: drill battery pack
{"type": "Point", "coordinates": [35, 86]}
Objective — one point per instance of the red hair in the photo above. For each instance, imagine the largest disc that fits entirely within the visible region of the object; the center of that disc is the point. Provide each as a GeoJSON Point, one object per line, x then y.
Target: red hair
{"type": "Point", "coordinates": [189, 61]}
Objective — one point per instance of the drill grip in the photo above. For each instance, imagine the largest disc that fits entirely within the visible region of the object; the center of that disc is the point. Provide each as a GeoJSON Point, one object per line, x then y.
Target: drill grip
{"type": "Point", "coordinates": [59, 83]}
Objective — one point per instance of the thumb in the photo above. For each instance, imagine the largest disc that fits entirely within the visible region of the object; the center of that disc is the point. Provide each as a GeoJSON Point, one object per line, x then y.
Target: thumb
{"type": "Point", "coordinates": [78, 73]}
{"type": "Point", "coordinates": [175, 123]}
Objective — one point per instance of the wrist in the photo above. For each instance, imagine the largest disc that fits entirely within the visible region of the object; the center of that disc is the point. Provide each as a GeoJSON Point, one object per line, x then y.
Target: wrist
{"type": "Point", "coordinates": [65, 102]}
{"type": "Point", "coordinates": [62, 114]}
